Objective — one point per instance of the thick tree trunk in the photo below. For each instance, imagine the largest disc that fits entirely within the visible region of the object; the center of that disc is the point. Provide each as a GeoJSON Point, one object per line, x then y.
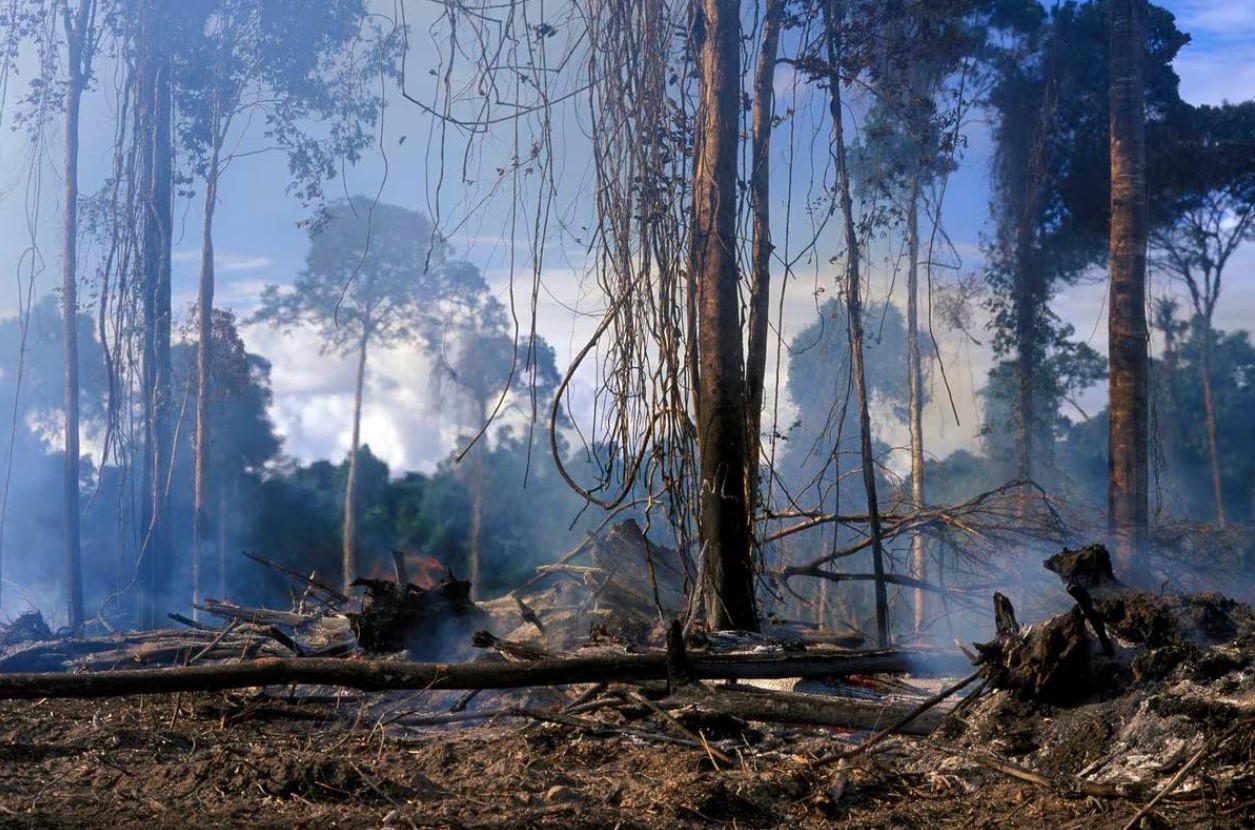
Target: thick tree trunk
{"type": "Point", "coordinates": [1128, 489]}
{"type": "Point", "coordinates": [75, 36]}
{"type": "Point", "coordinates": [204, 364]}
{"type": "Point", "coordinates": [1209, 414]}
{"type": "Point", "coordinates": [728, 581]}
{"type": "Point", "coordinates": [350, 486]}
{"type": "Point", "coordinates": [760, 279]}
{"type": "Point", "coordinates": [854, 312]}
{"type": "Point", "coordinates": [915, 372]}
{"type": "Point", "coordinates": [156, 194]}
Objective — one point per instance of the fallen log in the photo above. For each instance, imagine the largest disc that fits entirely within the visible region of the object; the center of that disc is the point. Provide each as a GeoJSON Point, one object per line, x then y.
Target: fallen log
{"type": "Point", "coordinates": [385, 676]}
{"type": "Point", "coordinates": [767, 706]}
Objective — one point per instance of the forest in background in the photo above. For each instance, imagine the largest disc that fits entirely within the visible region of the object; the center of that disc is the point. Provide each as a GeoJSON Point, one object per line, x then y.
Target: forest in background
{"type": "Point", "coordinates": [186, 468]}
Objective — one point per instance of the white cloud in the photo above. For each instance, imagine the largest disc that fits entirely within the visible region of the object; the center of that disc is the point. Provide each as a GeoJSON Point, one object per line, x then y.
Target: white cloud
{"type": "Point", "coordinates": [1234, 18]}
{"type": "Point", "coordinates": [313, 401]}
{"type": "Point", "coordinates": [1217, 76]}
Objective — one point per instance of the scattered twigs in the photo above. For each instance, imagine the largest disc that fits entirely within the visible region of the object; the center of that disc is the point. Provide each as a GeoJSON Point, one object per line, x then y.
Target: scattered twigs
{"type": "Point", "coordinates": [1206, 749]}
{"type": "Point", "coordinates": [716, 756]}
{"type": "Point", "coordinates": [1068, 786]}
{"type": "Point", "coordinates": [896, 726]}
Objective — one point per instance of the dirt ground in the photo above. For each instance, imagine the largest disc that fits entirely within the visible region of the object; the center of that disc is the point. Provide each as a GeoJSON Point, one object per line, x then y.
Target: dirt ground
{"type": "Point", "coordinates": [227, 760]}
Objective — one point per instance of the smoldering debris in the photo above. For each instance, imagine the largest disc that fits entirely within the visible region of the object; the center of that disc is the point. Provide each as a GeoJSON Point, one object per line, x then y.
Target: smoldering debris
{"type": "Point", "coordinates": [1140, 695]}
{"type": "Point", "coordinates": [1162, 718]}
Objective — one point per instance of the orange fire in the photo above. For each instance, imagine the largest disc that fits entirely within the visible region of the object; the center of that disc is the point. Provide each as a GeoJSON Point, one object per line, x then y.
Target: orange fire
{"type": "Point", "coordinates": [422, 571]}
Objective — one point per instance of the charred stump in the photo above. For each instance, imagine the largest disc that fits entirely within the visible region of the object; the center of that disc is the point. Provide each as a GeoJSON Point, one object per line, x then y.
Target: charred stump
{"type": "Point", "coordinates": [426, 623]}
{"type": "Point", "coordinates": [1113, 639]}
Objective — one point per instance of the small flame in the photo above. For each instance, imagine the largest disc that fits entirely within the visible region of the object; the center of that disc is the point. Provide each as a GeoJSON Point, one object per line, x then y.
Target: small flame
{"type": "Point", "coordinates": [422, 571]}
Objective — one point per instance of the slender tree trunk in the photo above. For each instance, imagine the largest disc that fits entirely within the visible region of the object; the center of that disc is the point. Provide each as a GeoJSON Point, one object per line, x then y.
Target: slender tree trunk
{"type": "Point", "coordinates": [760, 284]}
{"type": "Point", "coordinates": [222, 538]}
{"type": "Point", "coordinates": [833, 19]}
{"type": "Point", "coordinates": [350, 486]}
{"type": "Point", "coordinates": [76, 44]}
{"type": "Point", "coordinates": [728, 582]}
{"type": "Point", "coordinates": [1128, 479]}
{"type": "Point", "coordinates": [1209, 413]}
{"type": "Point", "coordinates": [156, 164]}
{"type": "Point", "coordinates": [915, 371]}
{"type": "Point", "coordinates": [477, 520]}
{"type": "Point", "coordinates": [204, 364]}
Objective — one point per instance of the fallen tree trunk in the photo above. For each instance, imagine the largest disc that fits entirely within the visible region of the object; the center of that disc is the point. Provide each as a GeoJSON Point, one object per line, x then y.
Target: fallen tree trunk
{"type": "Point", "coordinates": [384, 676]}
{"type": "Point", "coordinates": [813, 710]}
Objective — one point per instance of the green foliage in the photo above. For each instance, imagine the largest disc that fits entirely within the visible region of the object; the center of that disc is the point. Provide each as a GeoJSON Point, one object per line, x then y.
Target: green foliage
{"type": "Point", "coordinates": [1067, 369]}
{"type": "Point", "coordinates": [296, 518]}
{"type": "Point", "coordinates": [305, 70]}
{"type": "Point", "coordinates": [375, 273]}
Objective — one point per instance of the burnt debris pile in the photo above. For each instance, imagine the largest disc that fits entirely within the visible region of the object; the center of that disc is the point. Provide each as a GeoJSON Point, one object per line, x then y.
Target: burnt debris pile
{"type": "Point", "coordinates": [1128, 692]}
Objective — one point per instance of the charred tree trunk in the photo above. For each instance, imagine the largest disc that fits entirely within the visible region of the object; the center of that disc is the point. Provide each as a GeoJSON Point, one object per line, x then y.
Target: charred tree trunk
{"type": "Point", "coordinates": [350, 485]}
{"type": "Point", "coordinates": [915, 372]}
{"type": "Point", "coordinates": [78, 61]}
{"type": "Point", "coordinates": [154, 110]}
{"type": "Point", "coordinates": [728, 580]}
{"type": "Point", "coordinates": [833, 15]}
{"type": "Point", "coordinates": [204, 366]}
{"type": "Point", "coordinates": [760, 279]}
{"type": "Point", "coordinates": [1128, 513]}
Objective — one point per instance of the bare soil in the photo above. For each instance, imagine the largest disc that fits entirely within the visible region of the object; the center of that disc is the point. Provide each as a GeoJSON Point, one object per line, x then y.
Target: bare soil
{"type": "Point", "coordinates": [231, 760]}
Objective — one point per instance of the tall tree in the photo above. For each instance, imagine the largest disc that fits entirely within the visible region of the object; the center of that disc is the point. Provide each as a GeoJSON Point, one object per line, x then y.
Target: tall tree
{"type": "Point", "coordinates": [722, 423]}
{"type": "Point", "coordinates": [1051, 100]}
{"type": "Point", "coordinates": [834, 22]}
{"type": "Point", "coordinates": [760, 272]}
{"type": "Point", "coordinates": [78, 24]}
{"type": "Point", "coordinates": [374, 275]}
{"type": "Point", "coordinates": [297, 69]}
{"type": "Point", "coordinates": [1128, 479]}
{"type": "Point", "coordinates": [151, 40]}
{"type": "Point", "coordinates": [495, 375]}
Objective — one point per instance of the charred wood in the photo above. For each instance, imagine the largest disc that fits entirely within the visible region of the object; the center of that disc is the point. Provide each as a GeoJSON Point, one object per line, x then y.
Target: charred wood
{"type": "Point", "coordinates": [381, 676]}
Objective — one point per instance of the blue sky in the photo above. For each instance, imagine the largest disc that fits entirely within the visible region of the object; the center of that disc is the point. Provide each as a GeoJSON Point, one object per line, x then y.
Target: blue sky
{"type": "Point", "coordinates": [258, 242]}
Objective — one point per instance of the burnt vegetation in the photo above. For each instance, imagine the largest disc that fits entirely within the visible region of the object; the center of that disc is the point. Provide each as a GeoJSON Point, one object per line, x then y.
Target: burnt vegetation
{"type": "Point", "coordinates": [642, 413]}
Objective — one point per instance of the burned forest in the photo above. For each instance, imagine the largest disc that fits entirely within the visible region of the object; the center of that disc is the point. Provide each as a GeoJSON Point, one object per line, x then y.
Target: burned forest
{"type": "Point", "coordinates": [627, 414]}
